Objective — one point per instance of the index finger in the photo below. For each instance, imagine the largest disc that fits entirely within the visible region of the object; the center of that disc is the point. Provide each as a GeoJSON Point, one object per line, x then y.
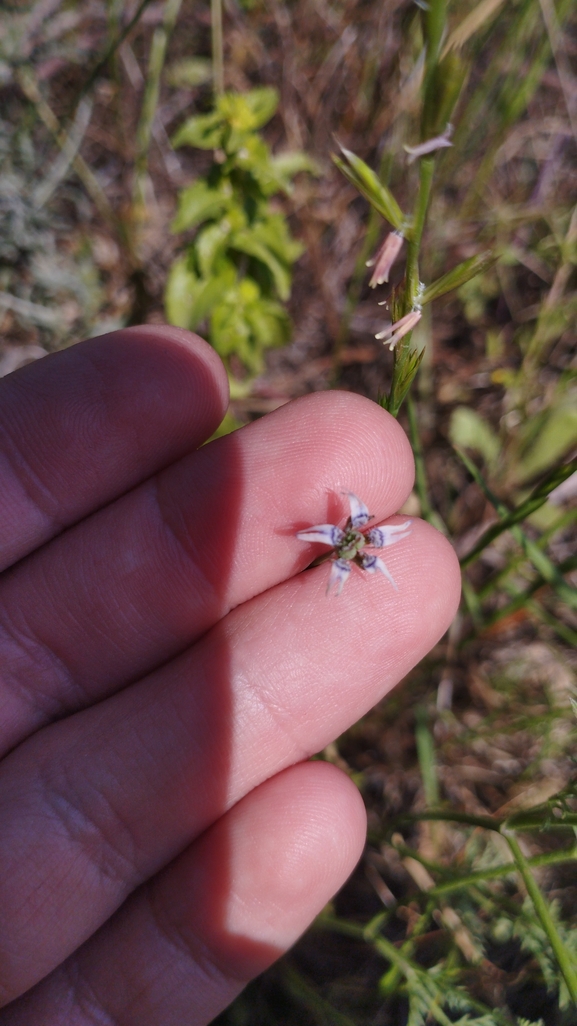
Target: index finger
{"type": "Point", "coordinates": [136, 583]}
{"type": "Point", "coordinates": [82, 426]}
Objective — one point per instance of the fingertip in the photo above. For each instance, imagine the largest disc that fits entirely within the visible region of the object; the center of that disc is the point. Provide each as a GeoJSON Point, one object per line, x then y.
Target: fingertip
{"type": "Point", "coordinates": [339, 442]}
{"type": "Point", "coordinates": [184, 352]}
{"type": "Point", "coordinates": [256, 880]}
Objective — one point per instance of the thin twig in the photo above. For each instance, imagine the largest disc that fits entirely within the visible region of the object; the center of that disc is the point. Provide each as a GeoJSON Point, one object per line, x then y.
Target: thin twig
{"type": "Point", "coordinates": [27, 82]}
{"type": "Point", "coordinates": [114, 46]}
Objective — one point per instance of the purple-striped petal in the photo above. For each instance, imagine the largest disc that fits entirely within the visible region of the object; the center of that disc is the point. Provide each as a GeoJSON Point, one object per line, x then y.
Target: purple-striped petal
{"type": "Point", "coordinates": [389, 534]}
{"type": "Point", "coordinates": [340, 572]}
{"type": "Point", "coordinates": [359, 512]}
{"type": "Point", "coordinates": [326, 534]}
{"type": "Point", "coordinates": [372, 564]}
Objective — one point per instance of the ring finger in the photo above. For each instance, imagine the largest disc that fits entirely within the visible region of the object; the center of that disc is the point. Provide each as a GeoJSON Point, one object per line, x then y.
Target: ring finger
{"type": "Point", "coordinates": [147, 770]}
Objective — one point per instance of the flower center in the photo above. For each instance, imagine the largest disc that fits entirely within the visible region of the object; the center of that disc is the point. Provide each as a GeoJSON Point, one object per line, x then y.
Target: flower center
{"type": "Point", "coordinates": [351, 544]}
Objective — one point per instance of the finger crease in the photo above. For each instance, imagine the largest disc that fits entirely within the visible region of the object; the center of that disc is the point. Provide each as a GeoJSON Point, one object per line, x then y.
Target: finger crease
{"type": "Point", "coordinates": [34, 489]}
{"type": "Point", "coordinates": [202, 583]}
{"type": "Point", "coordinates": [82, 995]}
{"type": "Point", "coordinates": [192, 947]}
{"type": "Point", "coordinates": [36, 675]}
{"type": "Point", "coordinates": [93, 826]}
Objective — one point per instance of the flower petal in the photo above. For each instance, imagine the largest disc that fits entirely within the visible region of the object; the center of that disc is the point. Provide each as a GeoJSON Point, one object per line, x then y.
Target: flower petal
{"type": "Point", "coordinates": [388, 534]}
{"type": "Point", "coordinates": [393, 333]}
{"type": "Point", "coordinates": [359, 512]}
{"type": "Point", "coordinates": [327, 534]}
{"type": "Point", "coordinates": [372, 563]}
{"type": "Point", "coordinates": [385, 258]}
{"type": "Point", "coordinates": [430, 145]}
{"type": "Point", "coordinates": [340, 572]}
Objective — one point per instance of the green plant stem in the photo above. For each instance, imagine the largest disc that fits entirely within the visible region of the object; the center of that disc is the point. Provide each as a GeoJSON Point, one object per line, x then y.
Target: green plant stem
{"type": "Point", "coordinates": [29, 85]}
{"type": "Point", "coordinates": [156, 61]}
{"type": "Point", "coordinates": [389, 983]}
{"type": "Point", "coordinates": [410, 970]}
{"type": "Point", "coordinates": [217, 46]}
{"type": "Point", "coordinates": [426, 171]}
{"type": "Point", "coordinates": [306, 995]}
{"type": "Point", "coordinates": [354, 292]}
{"type": "Point", "coordinates": [407, 360]}
{"type": "Point", "coordinates": [485, 822]}
{"type": "Point", "coordinates": [560, 628]}
{"type": "Point", "coordinates": [420, 471]}
{"type": "Point", "coordinates": [411, 853]}
{"type": "Point", "coordinates": [472, 603]}
{"type": "Point", "coordinates": [565, 567]}
{"type": "Point", "coordinates": [510, 521]}
{"type": "Point", "coordinates": [564, 960]}
{"type": "Point", "coordinates": [421, 484]}
{"type": "Point", "coordinates": [530, 819]}
{"type": "Point", "coordinates": [565, 520]}
{"type": "Point", "coordinates": [435, 22]}
{"type": "Point", "coordinates": [462, 882]}
{"type": "Point", "coordinates": [426, 756]}
{"type": "Point", "coordinates": [68, 151]}
{"type": "Point", "coordinates": [111, 50]}
{"type": "Point", "coordinates": [542, 336]}
{"type": "Point", "coordinates": [360, 270]}
{"type": "Point", "coordinates": [509, 518]}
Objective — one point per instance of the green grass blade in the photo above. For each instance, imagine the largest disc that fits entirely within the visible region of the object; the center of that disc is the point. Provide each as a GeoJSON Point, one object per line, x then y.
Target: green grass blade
{"type": "Point", "coordinates": [564, 960]}
{"type": "Point", "coordinates": [510, 520]}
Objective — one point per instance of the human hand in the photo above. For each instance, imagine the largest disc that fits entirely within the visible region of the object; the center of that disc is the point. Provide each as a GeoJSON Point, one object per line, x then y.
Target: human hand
{"type": "Point", "coordinates": [166, 670]}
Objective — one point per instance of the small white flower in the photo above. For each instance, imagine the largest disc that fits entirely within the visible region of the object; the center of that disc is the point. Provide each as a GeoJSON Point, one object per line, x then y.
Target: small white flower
{"type": "Point", "coordinates": [349, 543]}
{"type": "Point", "coordinates": [393, 333]}
{"type": "Point", "coordinates": [385, 258]}
{"type": "Point", "coordinates": [439, 142]}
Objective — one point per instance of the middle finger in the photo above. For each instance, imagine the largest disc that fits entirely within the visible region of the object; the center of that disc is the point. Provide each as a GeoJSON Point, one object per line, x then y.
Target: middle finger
{"type": "Point", "coordinates": [97, 803]}
{"type": "Point", "coordinates": [139, 581]}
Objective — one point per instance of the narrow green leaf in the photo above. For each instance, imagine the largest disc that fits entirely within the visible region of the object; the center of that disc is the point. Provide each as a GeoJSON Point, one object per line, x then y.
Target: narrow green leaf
{"type": "Point", "coordinates": [495, 872]}
{"type": "Point", "coordinates": [509, 518]}
{"type": "Point", "coordinates": [458, 276]}
{"type": "Point", "coordinates": [510, 521]}
{"type": "Point", "coordinates": [404, 373]}
{"type": "Point", "coordinates": [442, 91]}
{"type": "Point", "coordinates": [426, 755]}
{"type": "Point", "coordinates": [521, 600]}
{"type": "Point", "coordinates": [366, 181]}
{"type": "Point", "coordinates": [564, 959]}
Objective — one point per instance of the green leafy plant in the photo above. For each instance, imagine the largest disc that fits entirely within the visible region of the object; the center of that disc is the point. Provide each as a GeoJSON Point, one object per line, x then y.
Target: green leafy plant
{"type": "Point", "coordinates": [236, 273]}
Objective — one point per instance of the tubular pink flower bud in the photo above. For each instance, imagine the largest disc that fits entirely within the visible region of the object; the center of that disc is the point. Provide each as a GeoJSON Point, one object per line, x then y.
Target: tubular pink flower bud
{"type": "Point", "coordinates": [395, 332]}
{"type": "Point", "coordinates": [430, 145]}
{"type": "Point", "coordinates": [385, 258]}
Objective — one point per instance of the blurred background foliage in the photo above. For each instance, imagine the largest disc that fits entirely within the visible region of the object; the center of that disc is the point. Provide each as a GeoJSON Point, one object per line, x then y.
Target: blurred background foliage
{"type": "Point", "coordinates": [239, 265]}
{"type": "Point", "coordinates": [165, 158]}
